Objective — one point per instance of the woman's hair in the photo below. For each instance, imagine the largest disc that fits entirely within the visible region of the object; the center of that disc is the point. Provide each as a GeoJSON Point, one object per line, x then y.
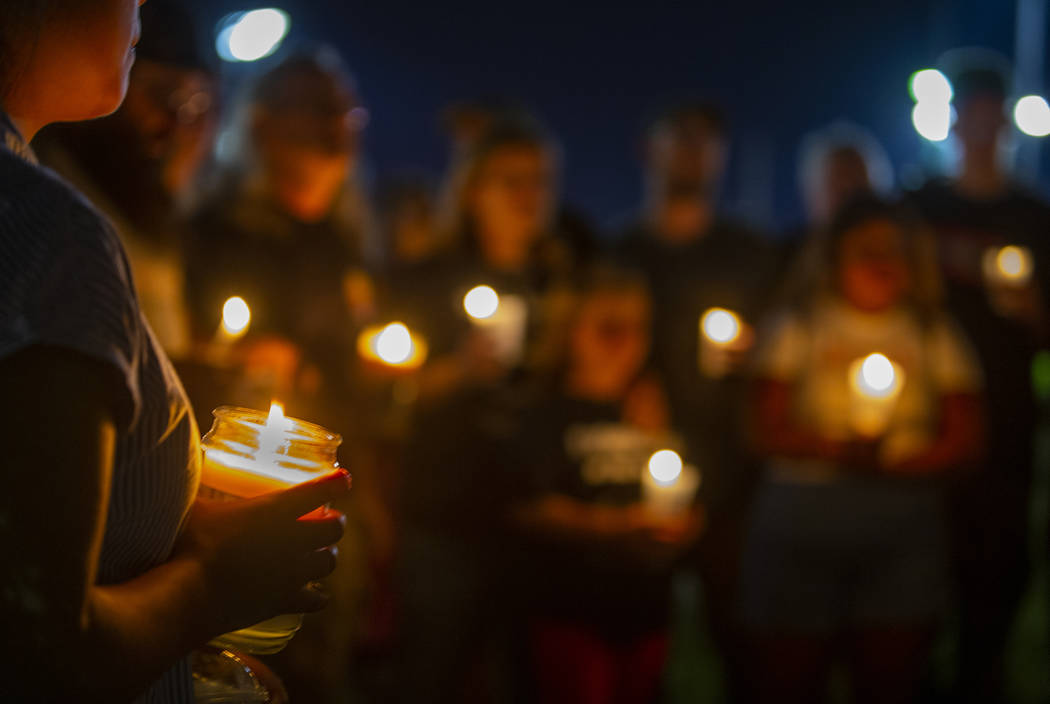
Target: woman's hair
{"type": "Point", "coordinates": [21, 22]}
{"type": "Point", "coordinates": [508, 131]}
{"type": "Point", "coordinates": [816, 270]}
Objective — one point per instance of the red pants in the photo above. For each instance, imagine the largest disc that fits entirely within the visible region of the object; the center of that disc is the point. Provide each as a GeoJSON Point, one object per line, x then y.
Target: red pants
{"type": "Point", "coordinates": [575, 665]}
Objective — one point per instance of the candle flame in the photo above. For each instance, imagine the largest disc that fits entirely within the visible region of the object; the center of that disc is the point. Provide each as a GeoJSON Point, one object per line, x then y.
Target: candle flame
{"type": "Point", "coordinates": [481, 302]}
{"type": "Point", "coordinates": [721, 325]}
{"type": "Point", "coordinates": [276, 417]}
{"type": "Point", "coordinates": [665, 466]}
{"type": "Point", "coordinates": [876, 376]}
{"type": "Point", "coordinates": [235, 315]}
{"type": "Point", "coordinates": [1014, 262]}
{"type": "Point", "coordinates": [394, 344]}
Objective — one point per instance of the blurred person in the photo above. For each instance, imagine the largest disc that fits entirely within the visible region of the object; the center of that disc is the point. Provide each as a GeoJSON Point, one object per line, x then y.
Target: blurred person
{"type": "Point", "coordinates": [979, 209]}
{"type": "Point", "coordinates": [451, 556]}
{"type": "Point", "coordinates": [847, 553]}
{"type": "Point", "coordinates": [113, 572]}
{"type": "Point", "coordinates": [500, 230]}
{"type": "Point", "coordinates": [286, 228]}
{"type": "Point", "coordinates": [837, 164]}
{"type": "Point", "coordinates": [467, 122]}
{"type": "Point", "coordinates": [408, 218]}
{"type": "Point", "coordinates": [596, 572]}
{"type": "Point", "coordinates": [164, 129]}
{"type": "Point", "coordinates": [696, 259]}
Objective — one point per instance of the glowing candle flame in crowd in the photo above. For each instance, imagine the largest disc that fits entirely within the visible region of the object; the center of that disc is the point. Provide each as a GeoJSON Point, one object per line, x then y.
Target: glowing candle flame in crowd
{"type": "Point", "coordinates": [665, 466]}
{"type": "Point", "coordinates": [236, 316]}
{"type": "Point", "coordinates": [720, 326]}
{"type": "Point", "coordinates": [1014, 263]}
{"type": "Point", "coordinates": [877, 377]}
{"type": "Point", "coordinates": [481, 302]}
{"type": "Point", "coordinates": [394, 343]}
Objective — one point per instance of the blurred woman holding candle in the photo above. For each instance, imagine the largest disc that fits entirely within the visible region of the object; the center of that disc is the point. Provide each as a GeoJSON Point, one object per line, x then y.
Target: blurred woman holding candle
{"type": "Point", "coordinates": [598, 614]}
{"type": "Point", "coordinates": [500, 224]}
{"type": "Point", "coordinates": [867, 396]}
{"type": "Point", "coordinates": [286, 227]}
{"type": "Point", "coordinates": [468, 389]}
{"type": "Point", "coordinates": [113, 574]}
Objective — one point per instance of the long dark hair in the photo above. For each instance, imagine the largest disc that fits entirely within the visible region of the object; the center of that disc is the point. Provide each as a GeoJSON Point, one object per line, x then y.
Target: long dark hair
{"type": "Point", "coordinates": [20, 25]}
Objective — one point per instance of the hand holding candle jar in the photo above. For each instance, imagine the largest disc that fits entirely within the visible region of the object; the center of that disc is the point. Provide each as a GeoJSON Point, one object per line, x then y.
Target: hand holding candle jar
{"type": "Point", "coordinates": [724, 338]}
{"type": "Point", "coordinates": [668, 486]}
{"type": "Point", "coordinates": [1009, 282]}
{"type": "Point", "coordinates": [248, 454]}
{"type": "Point", "coordinates": [502, 319]}
{"type": "Point", "coordinates": [875, 384]}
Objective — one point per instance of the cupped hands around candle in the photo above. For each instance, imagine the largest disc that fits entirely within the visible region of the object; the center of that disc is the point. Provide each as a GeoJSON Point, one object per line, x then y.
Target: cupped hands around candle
{"type": "Point", "coordinates": [257, 557]}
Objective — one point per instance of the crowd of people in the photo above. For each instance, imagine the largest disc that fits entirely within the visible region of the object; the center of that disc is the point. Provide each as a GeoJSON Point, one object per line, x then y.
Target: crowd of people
{"type": "Point", "coordinates": [861, 427]}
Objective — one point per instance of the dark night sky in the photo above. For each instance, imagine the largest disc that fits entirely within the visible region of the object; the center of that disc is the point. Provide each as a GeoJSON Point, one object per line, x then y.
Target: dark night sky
{"type": "Point", "coordinates": [592, 71]}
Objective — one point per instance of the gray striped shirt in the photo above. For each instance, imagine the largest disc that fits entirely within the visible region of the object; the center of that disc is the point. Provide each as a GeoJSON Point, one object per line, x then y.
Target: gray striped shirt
{"type": "Point", "coordinates": [65, 281]}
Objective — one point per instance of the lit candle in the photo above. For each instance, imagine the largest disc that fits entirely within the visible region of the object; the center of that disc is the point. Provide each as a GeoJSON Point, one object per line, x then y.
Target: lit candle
{"type": "Point", "coordinates": [393, 346]}
{"type": "Point", "coordinates": [1009, 266]}
{"type": "Point", "coordinates": [720, 330]}
{"type": "Point", "coordinates": [501, 318]}
{"type": "Point", "coordinates": [875, 385]}
{"type": "Point", "coordinates": [669, 486]}
{"type": "Point", "coordinates": [248, 453]}
{"type": "Point", "coordinates": [236, 317]}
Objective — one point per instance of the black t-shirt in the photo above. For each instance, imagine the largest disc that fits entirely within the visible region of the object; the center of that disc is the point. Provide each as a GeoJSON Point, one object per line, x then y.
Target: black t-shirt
{"type": "Point", "coordinates": [964, 228]}
{"type": "Point", "coordinates": [583, 450]}
{"type": "Point", "coordinates": [729, 267]}
{"type": "Point", "coordinates": [290, 273]}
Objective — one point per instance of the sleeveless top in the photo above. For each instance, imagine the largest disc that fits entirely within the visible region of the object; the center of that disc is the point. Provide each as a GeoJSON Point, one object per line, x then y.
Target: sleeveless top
{"type": "Point", "coordinates": [65, 282]}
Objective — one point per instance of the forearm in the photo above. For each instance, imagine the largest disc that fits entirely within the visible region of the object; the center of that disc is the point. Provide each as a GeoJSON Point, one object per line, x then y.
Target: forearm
{"type": "Point", "coordinates": [128, 635]}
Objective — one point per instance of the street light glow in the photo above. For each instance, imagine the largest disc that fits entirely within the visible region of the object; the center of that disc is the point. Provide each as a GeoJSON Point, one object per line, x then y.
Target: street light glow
{"type": "Point", "coordinates": [252, 35]}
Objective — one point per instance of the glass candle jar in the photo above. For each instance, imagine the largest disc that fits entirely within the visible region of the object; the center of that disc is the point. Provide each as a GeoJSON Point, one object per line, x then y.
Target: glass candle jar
{"type": "Point", "coordinates": [248, 453]}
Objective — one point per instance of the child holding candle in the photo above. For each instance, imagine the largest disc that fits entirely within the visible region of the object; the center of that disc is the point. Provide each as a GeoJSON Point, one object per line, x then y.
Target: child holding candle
{"type": "Point", "coordinates": [112, 573]}
{"type": "Point", "coordinates": [847, 536]}
{"type": "Point", "coordinates": [601, 558]}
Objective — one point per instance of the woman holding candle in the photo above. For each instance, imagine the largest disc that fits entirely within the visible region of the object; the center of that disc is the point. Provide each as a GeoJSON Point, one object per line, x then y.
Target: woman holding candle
{"type": "Point", "coordinates": [111, 578]}
{"type": "Point", "coordinates": [501, 221]}
{"type": "Point", "coordinates": [598, 614]}
{"type": "Point", "coordinates": [847, 536]}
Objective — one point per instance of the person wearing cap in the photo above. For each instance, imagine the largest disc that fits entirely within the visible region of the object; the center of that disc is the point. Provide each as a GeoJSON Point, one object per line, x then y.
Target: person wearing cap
{"type": "Point", "coordinates": [164, 131]}
{"type": "Point", "coordinates": [973, 213]}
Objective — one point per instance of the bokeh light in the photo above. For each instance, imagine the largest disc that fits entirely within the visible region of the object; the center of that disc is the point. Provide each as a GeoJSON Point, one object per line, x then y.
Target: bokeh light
{"type": "Point", "coordinates": [877, 375]}
{"type": "Point", "coordinates": [930, 85]}
{"type": "Point", "coordinates": [720, 325]}
{"type": "Point", "coordinates": [236, 315]}
{"type": "Point", "coordinates": [932, 120]}
{"type": "Point", "coordinates": [665, 466]}
{"type": "Point", "coordinates": [1014, 262]}
{"type": "Point", "coordinates": [252, 35]}
{"type": "Point", "coordinates": [393, 344]}
{"type": "Point", "coordinates": [1032, 116]}
{"type": "Point", "coordinates": [481, 302]}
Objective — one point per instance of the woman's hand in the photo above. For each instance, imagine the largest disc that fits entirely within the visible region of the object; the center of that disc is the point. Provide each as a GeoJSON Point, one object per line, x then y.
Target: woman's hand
{"type": "Point", "coordinates": [258, 556]}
